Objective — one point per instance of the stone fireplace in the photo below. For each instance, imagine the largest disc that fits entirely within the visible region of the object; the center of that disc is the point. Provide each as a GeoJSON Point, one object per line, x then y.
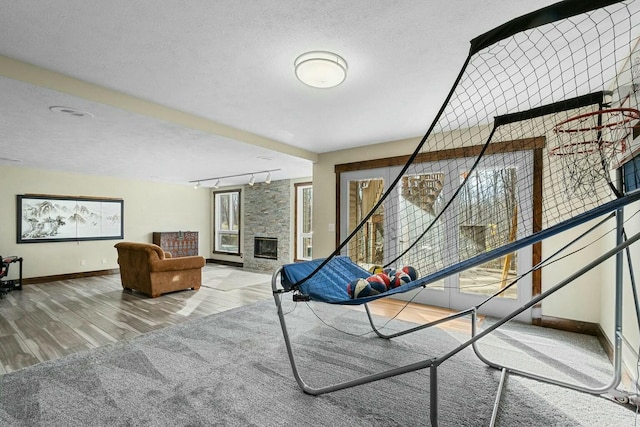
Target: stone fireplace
{"type": "Point", "coordinates": [265, 247]}
{"type": "Point", "coordinates": [268, 226]}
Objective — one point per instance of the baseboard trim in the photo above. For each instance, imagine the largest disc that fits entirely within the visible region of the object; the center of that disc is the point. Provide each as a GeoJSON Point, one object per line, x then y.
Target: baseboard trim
{"type": "Point", "coordinates": [569, 325]}
{"type": "Point", "coordinates": [80, 275]}
{"type": "Point", "coordinates": [605, 343]}
{"type": "Point", "coordinates": [225, 262]}
{"type": "Point", "coordinates": [587, 328]}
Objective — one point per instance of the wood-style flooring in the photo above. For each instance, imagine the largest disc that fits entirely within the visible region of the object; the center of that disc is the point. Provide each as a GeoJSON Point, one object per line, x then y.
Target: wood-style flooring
{"type": "Point", "coordinates": [50, 320]}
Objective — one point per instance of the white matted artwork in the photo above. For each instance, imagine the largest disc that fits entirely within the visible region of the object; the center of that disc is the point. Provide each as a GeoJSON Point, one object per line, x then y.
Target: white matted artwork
{"type": "Point", "coordinates": [43, 218]}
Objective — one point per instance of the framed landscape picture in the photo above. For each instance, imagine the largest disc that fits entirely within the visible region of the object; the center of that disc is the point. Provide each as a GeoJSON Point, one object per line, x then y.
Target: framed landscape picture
{"type": "Point", "coordinates": [43, 218]}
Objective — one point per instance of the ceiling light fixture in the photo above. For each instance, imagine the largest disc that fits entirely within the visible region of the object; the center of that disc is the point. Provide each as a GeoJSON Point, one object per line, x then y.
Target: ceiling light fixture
{"type": "Point", "coordinates": [195, 187]}
{"type": "Point", "coordinates": [252, 180]}
{"type": "Point", "coordinates": [268, 180]}
{"type": "Point", "coordinates": [217, 184]}
{"type": "Point", "coordinates": [320, 69]}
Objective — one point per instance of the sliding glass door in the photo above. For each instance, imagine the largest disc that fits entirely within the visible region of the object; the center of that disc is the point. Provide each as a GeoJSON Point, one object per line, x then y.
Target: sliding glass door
{"type": "Point", "coordinates": [486, 214]}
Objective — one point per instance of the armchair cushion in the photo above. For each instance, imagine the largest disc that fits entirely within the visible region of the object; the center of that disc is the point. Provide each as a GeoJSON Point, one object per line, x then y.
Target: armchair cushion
{"type": "Point", "coordinates": [145, 267]}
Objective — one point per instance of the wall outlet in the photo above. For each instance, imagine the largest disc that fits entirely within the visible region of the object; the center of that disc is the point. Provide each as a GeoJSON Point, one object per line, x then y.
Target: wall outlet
{"type": "Point", "coordinates": [83, 262]}
{"type": "Point", "coordinates": [104, 260]}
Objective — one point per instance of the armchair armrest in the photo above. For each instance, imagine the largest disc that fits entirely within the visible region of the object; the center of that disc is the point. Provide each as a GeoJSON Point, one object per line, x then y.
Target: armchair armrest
{"type": "Point", "coordinates": [182, 263]}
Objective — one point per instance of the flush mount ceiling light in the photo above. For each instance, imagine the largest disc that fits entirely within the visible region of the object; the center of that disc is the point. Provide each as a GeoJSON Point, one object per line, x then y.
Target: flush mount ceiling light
{"type": "Point", "coordinates": [320, 69]}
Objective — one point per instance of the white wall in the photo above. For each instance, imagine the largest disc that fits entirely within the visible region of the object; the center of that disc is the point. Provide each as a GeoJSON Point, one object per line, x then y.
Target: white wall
{"type": "Point", "coordinates": [148, 207]}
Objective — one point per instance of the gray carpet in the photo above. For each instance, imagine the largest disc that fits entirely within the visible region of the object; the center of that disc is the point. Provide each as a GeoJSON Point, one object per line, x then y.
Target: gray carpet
{"type": "Point", "coordinates": [231, 369]}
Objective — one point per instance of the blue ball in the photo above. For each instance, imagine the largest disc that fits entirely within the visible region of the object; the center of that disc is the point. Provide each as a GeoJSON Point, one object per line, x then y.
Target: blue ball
{"type": "Point", "coordinates": [413, 274]}
{"type": "Point", "coordinates": [389, 271]}
{"type": "Point", "coordinates": [360, 288]}
{"type": "Point", "coordinates": [402, 277]}
{"type": "Point", "coordinates": [377, 283]}
{"type": "Point", "coordinates": [395, 281]}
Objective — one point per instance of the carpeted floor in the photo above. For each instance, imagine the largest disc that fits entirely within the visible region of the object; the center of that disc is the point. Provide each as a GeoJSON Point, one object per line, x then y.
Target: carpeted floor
{"type": "Point", "coordinates": [231, 369]}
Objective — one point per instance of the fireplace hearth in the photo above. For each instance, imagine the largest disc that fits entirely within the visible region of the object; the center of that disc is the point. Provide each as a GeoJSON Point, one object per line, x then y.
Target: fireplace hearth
{"type": "Point", "coordinates": [265, 247]}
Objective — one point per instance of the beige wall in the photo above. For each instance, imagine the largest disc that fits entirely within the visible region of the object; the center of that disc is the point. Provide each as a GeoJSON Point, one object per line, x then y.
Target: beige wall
{"type": "Point", "coordinates": [148, 207]}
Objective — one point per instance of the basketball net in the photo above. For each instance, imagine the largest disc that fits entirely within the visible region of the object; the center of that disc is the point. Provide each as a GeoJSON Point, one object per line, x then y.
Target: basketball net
{"type": "Point", "coordinates": [588, 144]}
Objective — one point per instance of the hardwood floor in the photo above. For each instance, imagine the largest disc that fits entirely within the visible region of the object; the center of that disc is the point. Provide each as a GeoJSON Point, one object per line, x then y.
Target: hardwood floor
{"type": "Point", "coordinates": [420, 314]}
{"type": "Point", "coordinates": [50, 320]}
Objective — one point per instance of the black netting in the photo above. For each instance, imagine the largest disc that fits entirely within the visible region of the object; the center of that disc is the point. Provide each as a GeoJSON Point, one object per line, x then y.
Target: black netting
{"type": "Point", "coordinates": [493, 151]}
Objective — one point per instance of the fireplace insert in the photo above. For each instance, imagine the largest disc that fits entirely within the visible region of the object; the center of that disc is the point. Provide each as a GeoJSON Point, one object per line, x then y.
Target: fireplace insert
{"type": "Point", "coordinates": [265, 247]}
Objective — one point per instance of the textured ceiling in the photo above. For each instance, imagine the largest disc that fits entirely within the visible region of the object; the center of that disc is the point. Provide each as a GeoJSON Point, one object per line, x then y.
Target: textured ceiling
{"type": "Point", "coordinates": [212, 83]}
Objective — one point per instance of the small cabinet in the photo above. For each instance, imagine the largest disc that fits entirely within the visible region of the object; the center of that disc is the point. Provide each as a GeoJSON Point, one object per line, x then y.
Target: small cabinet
{"type": "Point", "coordinates": [179, 243]}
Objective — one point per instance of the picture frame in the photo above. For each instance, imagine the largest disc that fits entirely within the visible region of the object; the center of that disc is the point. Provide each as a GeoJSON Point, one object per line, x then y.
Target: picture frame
{"type": "Point", "coordinates": [50, 218]}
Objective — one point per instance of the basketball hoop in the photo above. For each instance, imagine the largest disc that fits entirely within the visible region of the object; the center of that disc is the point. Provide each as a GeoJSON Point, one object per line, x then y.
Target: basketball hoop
{"type": "Point", "coordinates": [587, 146]}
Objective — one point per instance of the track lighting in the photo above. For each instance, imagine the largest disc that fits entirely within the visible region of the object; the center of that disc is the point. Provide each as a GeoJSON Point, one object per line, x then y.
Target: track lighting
{"type": "Point", "coordinates": [252, 179]}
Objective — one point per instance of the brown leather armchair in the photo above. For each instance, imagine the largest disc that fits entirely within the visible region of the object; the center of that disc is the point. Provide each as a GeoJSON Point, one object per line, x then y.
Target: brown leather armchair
{"type": "Point", "coordinates": [146, 268]}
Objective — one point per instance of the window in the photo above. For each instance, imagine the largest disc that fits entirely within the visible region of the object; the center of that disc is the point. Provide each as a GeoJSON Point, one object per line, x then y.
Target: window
{"type": "Point", "coordinates": [304, 247]}
{"type": "Point", "coordinates": [227, 222]}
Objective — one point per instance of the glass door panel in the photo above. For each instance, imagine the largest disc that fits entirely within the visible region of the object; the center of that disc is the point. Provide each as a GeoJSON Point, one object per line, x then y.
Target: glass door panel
{"type": "Point", "coordinates": [421, 197]}
{"type": "Point", "coordinates": [488, 219]}
{"type": "Point", "coordinates": [494, 209]}
{"type": "Point", "coordinates": [360, 193]}
{"type": "Point", "coordinates": [421, 201]}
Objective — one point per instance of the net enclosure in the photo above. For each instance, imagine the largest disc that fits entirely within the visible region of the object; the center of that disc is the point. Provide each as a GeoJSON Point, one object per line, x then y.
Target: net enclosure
{"type": "Point", "coordinates": [530, 141]}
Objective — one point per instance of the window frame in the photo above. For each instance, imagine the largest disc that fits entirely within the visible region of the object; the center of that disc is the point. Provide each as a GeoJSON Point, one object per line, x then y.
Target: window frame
{"type": "Point", "coordinates": [299, 235]}
{"type": "Point", "coordinates": [217, 233]}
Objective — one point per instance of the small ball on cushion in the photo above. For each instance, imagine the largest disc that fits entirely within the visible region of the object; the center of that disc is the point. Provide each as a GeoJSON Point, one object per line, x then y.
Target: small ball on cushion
{"type": "Point", "coordinates": [389, 271]}
{"type": "Point", "coordinates": [378, 283]}
{"type": "Point", "coordinates": [395, 281]}
{"type": "Point", "coordinates": [384, 278]}
{"type": "Point", "coordinates": [375, 269]}
{"type": "Point", "coordinates": [402, 277]}
{"type": "Point", "coordinates": [413, 274]}
{"type": "Point", "coordinates": [360, 288]}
